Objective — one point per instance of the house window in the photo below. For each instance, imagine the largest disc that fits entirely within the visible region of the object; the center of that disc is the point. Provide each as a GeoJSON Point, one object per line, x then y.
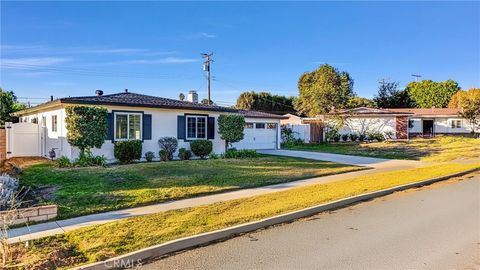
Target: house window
{"type": "Point", "coordinates": [248, 125]}
{"type": "Point", "coordinates": [259, 125]}
{"type": "Point", "coordinates": [54, 123]}
{"type": "Point", "coordinates": [44, 121]}
{"type": "Point", "coordinates": [271, 125]}
{"type": "Point", "coordinates": [128, 126]}
{"type": "Point", "coordinates": [196, 127]}
{"type": "Point", "coordinates": [410, 124]}
{"type": "Point", "coordinates": [35, 120]}
{"type": "Point", "coordinates": [456, 123]}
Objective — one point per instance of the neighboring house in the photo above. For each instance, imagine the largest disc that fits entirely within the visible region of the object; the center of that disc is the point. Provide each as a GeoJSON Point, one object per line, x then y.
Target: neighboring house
{"type": "Point", "coordinates": [146, 118]}
{"type": "Point", "coordinates": [400, 123]}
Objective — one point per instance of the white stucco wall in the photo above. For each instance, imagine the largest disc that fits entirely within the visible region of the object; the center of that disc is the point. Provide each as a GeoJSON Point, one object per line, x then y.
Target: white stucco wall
{"type": "Point", "coordinates": [52, 139]}
{"type": "Point", "coordinates": [367, 124]}
{"type": "Point", "coordinates": [441, 125]}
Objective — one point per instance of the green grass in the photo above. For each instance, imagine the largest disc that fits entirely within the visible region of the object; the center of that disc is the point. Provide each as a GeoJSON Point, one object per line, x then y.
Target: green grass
{"type": "Point", "coordinates": [441, 148]}
{"type": "Point", "coordinates": [83, 191]}
{"type": "Point", "coordinates": [100, 242]}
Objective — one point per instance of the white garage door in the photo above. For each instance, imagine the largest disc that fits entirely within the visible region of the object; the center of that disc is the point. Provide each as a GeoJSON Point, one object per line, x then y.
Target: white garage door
{"type": "Point", "coordinates": [258, 136]}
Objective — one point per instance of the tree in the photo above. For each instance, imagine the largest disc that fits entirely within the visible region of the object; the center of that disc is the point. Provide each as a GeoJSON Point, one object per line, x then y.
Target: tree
{"type": "Point", "coordinates": [8, 105]}
{"type": "Point", "coordinates": [322, 90]}
{"type": "Point", "coordinates": [469, 104]}
{"type": "Point", "coordinates": [356, 102]}
{"type": "Point", "coordinates": [389, 96]}
{"type": "Point", "coordinates": [230, 128]}
{"type": "Point", "coordinates": [461, 96]}
{"type": "Point", "coordinates": [205, 102]}
{"type": "Point", "coordinates": [265, 102]}
{"type": "Point", "coordinates": [428, 94]}
{"type": "Point", "coordinates": [87, 127]}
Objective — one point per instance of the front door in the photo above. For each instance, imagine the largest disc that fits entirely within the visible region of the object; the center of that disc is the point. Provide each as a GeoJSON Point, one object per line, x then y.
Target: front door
{"type": "Point", "coordinates": [428, 128]}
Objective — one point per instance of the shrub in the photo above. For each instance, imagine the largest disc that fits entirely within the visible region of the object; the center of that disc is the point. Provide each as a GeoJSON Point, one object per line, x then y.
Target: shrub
{"type": "Point", "coordinates": [377, 136]}
{"type": "Point", "coordinates": [388, 135]}
{"type": "Point", "coordinates": [86, 159]}
{"type": "Point", "coordinates": [362, 137]}
{"type": "Point", "coordinates": [128, 151]}
{"type": "Point", "coordinates": [149, 156]}
{"type": "Point", "coordinates": [353, 137]}
{"type": "Point", "coordinates": [169, 144]}
{"type": "Point", "coordinates": [345, 137]}
{"type": "Point", "coordinates": [8, 187]}
{"type": "Point", "coordinates": [213, 156]}
{"type": "Point", "coordinates": [163, 155]}
{"type": "Point", "coordinates": [184, 154]}
{"type": "Point", "coordinates": [333, 135]}
{"type": "Point", "coordinates": [63, 162]}
{"type": "Point", "coordinates": [201, 148]}
{"type": "Point", "coordinates": [231, 153]}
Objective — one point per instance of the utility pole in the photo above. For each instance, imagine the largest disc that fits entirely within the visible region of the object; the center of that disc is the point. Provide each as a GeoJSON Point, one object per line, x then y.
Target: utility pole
{"type": "Point", "coordinates": [416, 77]}
{"type": "Point", "coordinates": [206, 67]}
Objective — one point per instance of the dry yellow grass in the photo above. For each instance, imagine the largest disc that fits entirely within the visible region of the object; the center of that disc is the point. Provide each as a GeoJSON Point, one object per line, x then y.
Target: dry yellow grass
{"type": "Point", "coordinates": [108, 240]}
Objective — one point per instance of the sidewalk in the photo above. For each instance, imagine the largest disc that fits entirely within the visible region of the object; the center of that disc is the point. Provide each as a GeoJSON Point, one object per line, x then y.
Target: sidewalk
{"type": "Point", "coordinates": [61, 226]}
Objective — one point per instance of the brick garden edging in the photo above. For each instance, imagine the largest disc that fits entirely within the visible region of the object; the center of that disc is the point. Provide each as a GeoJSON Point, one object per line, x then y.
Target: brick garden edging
{"type": "Point", "coordinates": [30, 214]}
{"type": "Point", "coordinates": [137, 258]}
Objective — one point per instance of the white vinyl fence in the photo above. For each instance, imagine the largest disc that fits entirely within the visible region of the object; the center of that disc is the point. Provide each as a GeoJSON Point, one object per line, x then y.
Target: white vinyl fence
{"type": "Point", "coordinates": [23, 139]}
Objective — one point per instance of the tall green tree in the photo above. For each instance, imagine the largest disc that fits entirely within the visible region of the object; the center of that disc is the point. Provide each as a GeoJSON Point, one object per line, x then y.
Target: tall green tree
{"type": "Point", "coordinates": [8, 105]}
{"type": "Point", "coordinates": [427, 93]}
{"type": "Point", "coordinates": [230, 128]}
{"type": "Point", "coordinates": [265, 102]}
{"type": "Point", "coordinates": [322, 90]}
{"type": "Point", "coordinates": [87, 127]}
{"type": "Point", "coordinates": [389, 96]}
{"type": "Point", "coordinates": [357, 101]}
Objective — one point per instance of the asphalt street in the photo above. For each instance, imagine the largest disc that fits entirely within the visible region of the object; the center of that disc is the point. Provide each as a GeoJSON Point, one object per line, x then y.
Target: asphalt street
{"type": "Point", "coordinates": [434, 227]}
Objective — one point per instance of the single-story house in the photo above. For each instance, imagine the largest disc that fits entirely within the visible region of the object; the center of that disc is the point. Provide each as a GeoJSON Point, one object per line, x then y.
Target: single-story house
{"type": "Point", "coordinates": [142, 117]}
{"type": "Point", "coordinates": [398, 123]}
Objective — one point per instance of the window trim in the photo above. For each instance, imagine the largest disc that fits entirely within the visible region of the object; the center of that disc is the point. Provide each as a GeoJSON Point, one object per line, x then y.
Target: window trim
{"type": "Point", "coordinates": [270, 123]}
{"type": "Point", "coordinates": [454, 123]}
{"type": "Point", "coordinates": [249, 124]}
{"type": "Point", "coordinates": [128, 124]}
{"type": "Point", "coordinates": [205, 116]}
{"type": "Point", "coordinates": [54, 123]}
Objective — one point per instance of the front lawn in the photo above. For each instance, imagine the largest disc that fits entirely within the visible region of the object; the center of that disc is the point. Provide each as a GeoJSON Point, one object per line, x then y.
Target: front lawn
{"type": "Point", "coordinates": [441, 148]}
{"type": "Point", "coordinates": [83, 191]}
{"type": "Point", "coordinates": [104, 241]}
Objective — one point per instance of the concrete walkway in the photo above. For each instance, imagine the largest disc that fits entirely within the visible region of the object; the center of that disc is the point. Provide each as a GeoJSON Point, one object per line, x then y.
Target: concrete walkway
{"type": "Point", "coordinates": [61, 226]}
{"type": "Point", "coordinates": [376, 163]}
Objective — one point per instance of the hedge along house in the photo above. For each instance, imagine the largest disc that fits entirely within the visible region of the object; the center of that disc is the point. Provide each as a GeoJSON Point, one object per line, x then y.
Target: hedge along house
{"type": "Point", "coordinates": [145, 118]}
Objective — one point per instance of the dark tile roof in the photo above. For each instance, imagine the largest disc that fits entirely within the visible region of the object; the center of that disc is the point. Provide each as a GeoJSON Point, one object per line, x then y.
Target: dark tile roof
{"type": "Point", "coordinates": [428, 111]}
{"type": "Point", "coordinates": [256, 114]}
{"type": "Point", "coordinates": [370, 111]}
{"type": "Point", "coordinates": [139, 100]}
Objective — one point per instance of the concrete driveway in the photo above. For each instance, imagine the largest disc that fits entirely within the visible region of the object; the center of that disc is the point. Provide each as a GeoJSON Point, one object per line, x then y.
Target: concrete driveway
{"type": "Point", "coordinates": [347, 159]}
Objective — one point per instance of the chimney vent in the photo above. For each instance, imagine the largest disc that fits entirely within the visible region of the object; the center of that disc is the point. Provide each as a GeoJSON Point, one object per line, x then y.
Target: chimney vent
{"type": "Point", "coordinates": [126, 90]}
{"type": "Point", "coordinates": [99, 92]}
{"type": "Point", "coordinates": [51, 98]}
{"type": "Point", "coordinates": [193, 96]}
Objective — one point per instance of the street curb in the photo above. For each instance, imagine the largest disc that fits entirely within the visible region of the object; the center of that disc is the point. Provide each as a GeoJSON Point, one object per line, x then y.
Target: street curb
{"type": "Point", "coordinates": [135, 258]}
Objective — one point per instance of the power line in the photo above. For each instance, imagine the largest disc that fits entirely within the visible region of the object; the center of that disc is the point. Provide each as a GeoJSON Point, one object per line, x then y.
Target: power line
{"type": "Point", "coordinates": [91, 72]}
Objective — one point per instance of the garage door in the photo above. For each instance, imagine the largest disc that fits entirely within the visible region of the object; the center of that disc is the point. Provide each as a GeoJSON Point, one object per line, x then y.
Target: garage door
{"type": "Point", "coordinates": [258, 136]}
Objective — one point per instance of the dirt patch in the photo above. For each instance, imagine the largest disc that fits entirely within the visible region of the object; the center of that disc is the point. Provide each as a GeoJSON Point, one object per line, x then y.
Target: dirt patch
{"type": "Point", "coordinates": [14, 166]}
{"type": "Point", "coordinates": [44, 255]}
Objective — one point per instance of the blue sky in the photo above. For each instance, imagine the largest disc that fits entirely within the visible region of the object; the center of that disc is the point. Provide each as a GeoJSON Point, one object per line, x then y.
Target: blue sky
{"type": "Point", "coordinates": [73, 48]}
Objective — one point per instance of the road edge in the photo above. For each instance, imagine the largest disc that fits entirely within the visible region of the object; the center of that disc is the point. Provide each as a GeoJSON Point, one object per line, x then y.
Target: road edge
{"type": "Point", "coordinates": [134, 258]}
